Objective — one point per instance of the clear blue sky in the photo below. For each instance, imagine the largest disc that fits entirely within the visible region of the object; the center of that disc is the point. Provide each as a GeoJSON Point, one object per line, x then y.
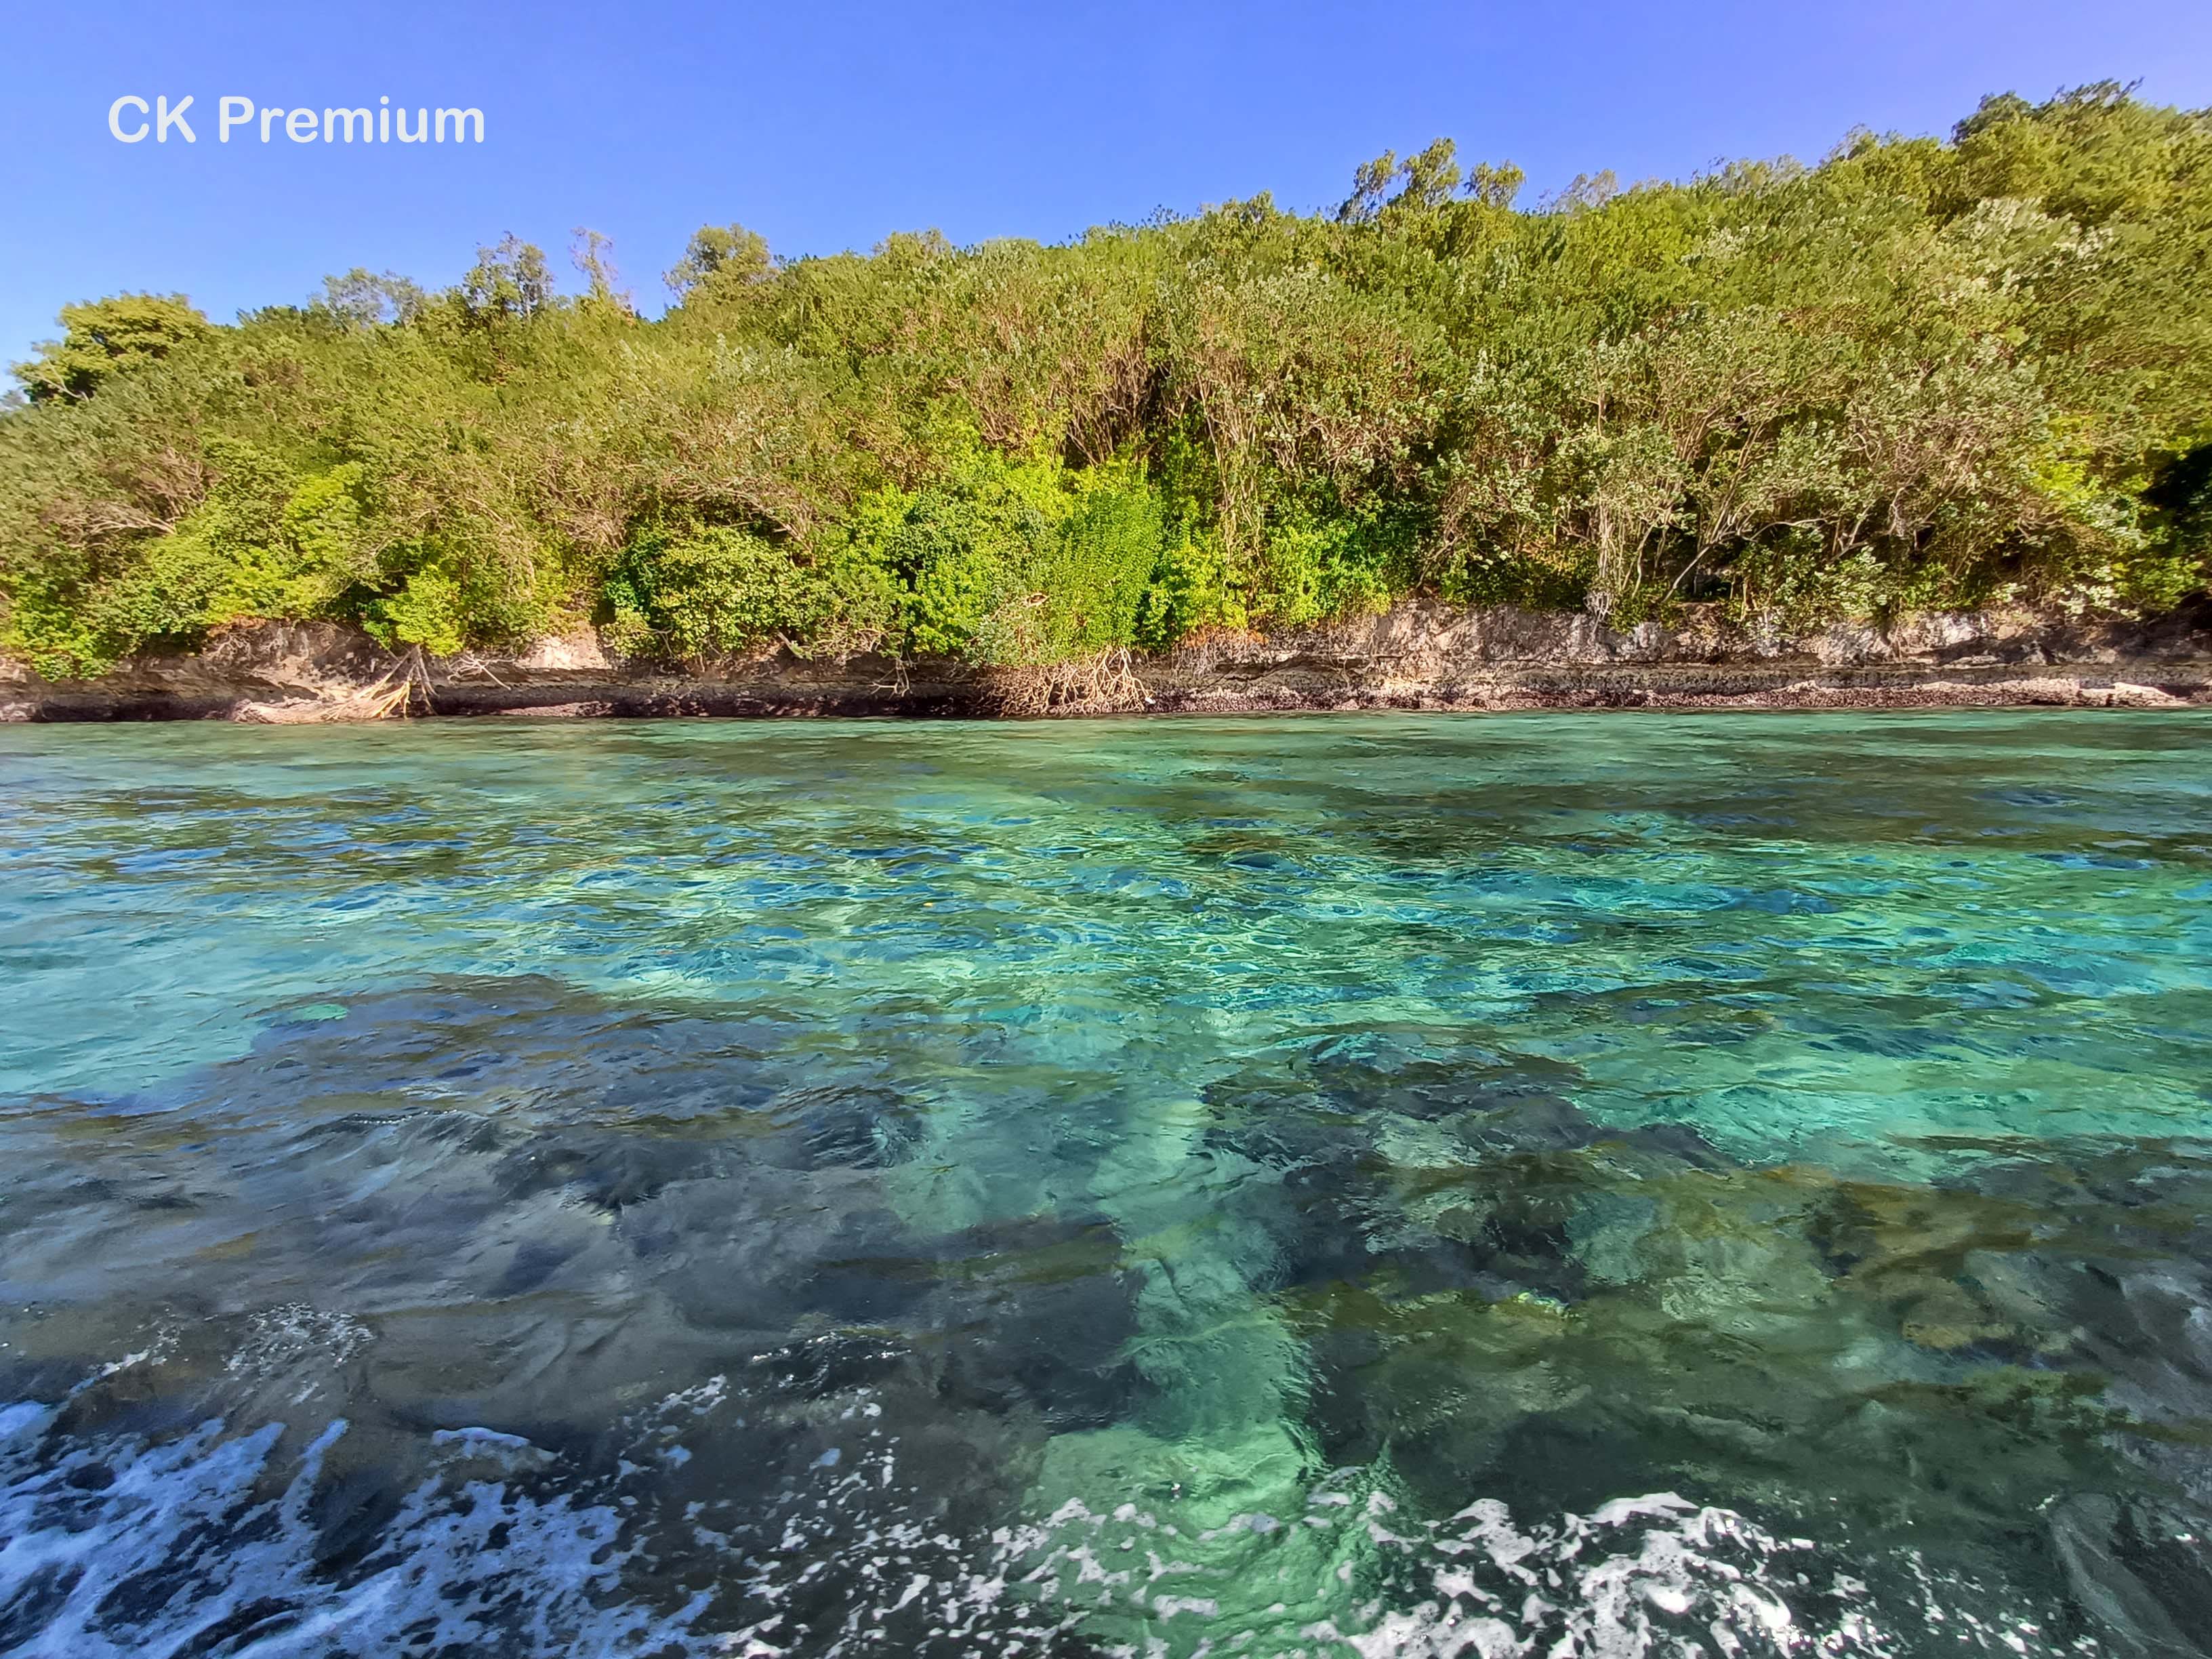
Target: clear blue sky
{"type": "Point", "coordinates": [825, 126]}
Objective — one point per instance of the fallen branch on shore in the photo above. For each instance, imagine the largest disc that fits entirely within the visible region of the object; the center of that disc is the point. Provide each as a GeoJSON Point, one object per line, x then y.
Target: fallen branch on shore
{"type": "Point", "coordinates": [391, 697]}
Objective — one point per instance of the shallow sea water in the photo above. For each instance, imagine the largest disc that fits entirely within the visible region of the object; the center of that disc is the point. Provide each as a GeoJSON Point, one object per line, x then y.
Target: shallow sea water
{"type": "Point", "coordinates": [1554, 1184]}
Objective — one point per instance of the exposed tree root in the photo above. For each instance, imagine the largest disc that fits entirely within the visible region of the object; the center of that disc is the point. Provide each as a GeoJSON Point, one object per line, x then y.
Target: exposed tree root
{"type": "Point", "coordinates": [1103, 684]}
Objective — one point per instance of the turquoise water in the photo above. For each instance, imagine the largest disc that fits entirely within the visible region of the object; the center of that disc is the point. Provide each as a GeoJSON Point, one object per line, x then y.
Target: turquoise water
{"type": "Point", "coordinates": [1404, 1185]}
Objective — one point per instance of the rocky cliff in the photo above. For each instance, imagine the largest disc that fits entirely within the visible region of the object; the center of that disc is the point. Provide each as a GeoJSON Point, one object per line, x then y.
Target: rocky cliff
{"type": "Point", "coordinates": [1418, 655]}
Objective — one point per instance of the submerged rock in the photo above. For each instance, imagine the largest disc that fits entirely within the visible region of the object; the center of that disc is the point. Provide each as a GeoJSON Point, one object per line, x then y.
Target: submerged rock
{"type": "Point", "coordinates": [2138, 1570]}
{"type": "Point", "coordinates": [482, 1222]}
{"type": "Point", "coordinates": [1435, 1173]}
{"type": "Point", "coordinates": [1497, 1294]}
{"type": "Point", "coordinates": [694, 1279]}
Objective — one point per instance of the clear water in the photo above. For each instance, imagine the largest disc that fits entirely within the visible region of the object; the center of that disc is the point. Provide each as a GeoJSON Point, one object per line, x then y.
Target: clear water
{"type": "Point", "coordinates": [1555, 1184]}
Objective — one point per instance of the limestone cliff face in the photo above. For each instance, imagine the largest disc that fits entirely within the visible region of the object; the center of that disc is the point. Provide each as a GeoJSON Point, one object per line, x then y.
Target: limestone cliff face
{"type": "Point", "coordinates": [1428, 655]}
{"type": "Point", "coordinates": [1418, 655]}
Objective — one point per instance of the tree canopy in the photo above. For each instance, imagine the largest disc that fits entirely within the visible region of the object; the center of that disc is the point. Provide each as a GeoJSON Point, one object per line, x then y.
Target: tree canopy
{"type": "Point", "coordinates": [1922, 372]}
{"type": "Point", "coordinates": [102, 338]}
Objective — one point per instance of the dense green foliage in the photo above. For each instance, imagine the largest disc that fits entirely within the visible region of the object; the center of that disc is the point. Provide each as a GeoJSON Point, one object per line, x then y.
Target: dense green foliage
{"type": "Point", "coordinates": [1922, 374]}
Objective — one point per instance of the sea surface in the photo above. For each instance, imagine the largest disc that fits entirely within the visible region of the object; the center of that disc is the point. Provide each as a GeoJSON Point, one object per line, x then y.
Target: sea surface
{"type": "Point", "coordinates": [1555, 1184]}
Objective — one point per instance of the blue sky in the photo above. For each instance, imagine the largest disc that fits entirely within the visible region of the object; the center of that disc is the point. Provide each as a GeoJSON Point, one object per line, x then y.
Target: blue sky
{"type": "Point", "coordinates": [825, 126]}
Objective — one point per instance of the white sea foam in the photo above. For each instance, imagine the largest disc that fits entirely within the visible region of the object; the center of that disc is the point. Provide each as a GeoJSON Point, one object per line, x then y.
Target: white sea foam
{"type": "Point", "coordinates": [180, 1552]}
{"type": "Point", "coordinates": [207, 1544]}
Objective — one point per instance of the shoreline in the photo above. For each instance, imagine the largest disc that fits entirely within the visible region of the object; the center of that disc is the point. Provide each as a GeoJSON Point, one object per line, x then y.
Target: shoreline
{"type": "Point", "coordinates": [1416, 658]}
{"type": "Point", "coordinates": [1732, 689]}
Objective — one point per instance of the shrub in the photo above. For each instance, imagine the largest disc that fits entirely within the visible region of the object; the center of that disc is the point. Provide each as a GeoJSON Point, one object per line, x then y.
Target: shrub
{"type": "Point", "coordinates": [426, 612]}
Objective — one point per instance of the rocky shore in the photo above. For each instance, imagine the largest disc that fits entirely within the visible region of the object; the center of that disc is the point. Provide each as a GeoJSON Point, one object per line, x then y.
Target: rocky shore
{"type": "Point", "coordinates": [1417, 656]}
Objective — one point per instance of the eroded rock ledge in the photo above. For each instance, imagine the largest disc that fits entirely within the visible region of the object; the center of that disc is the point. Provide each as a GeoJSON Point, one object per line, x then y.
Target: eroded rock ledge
{"type": "Point", "coordinates": [1416, 656]}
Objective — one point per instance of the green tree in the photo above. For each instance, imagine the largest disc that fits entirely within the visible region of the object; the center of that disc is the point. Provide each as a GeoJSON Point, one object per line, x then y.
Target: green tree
{"type": "Point", "coordinates": [362, 300]}
{"type": "Point", "coordinates": [592, 254]}
{"type": "Point", "coordinates": [724, 254]}
{"type": "Point", "coordinates": [103, 339]}
{"type": "Point", "coordinates": [509, 284]}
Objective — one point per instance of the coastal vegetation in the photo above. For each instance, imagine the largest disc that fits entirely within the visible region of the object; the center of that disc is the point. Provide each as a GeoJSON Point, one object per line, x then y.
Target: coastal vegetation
{"type": "Point", "coordinates": [1922, 373]}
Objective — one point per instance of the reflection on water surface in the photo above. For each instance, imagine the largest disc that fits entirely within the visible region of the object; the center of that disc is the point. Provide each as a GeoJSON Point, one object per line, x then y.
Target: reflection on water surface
{"type": "Point", "coordinates": [1424, 1186]}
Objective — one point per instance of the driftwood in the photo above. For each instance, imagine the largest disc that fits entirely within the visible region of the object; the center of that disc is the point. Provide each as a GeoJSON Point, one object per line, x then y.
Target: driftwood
{"type": "Point", "coordinates": [391, 697]}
